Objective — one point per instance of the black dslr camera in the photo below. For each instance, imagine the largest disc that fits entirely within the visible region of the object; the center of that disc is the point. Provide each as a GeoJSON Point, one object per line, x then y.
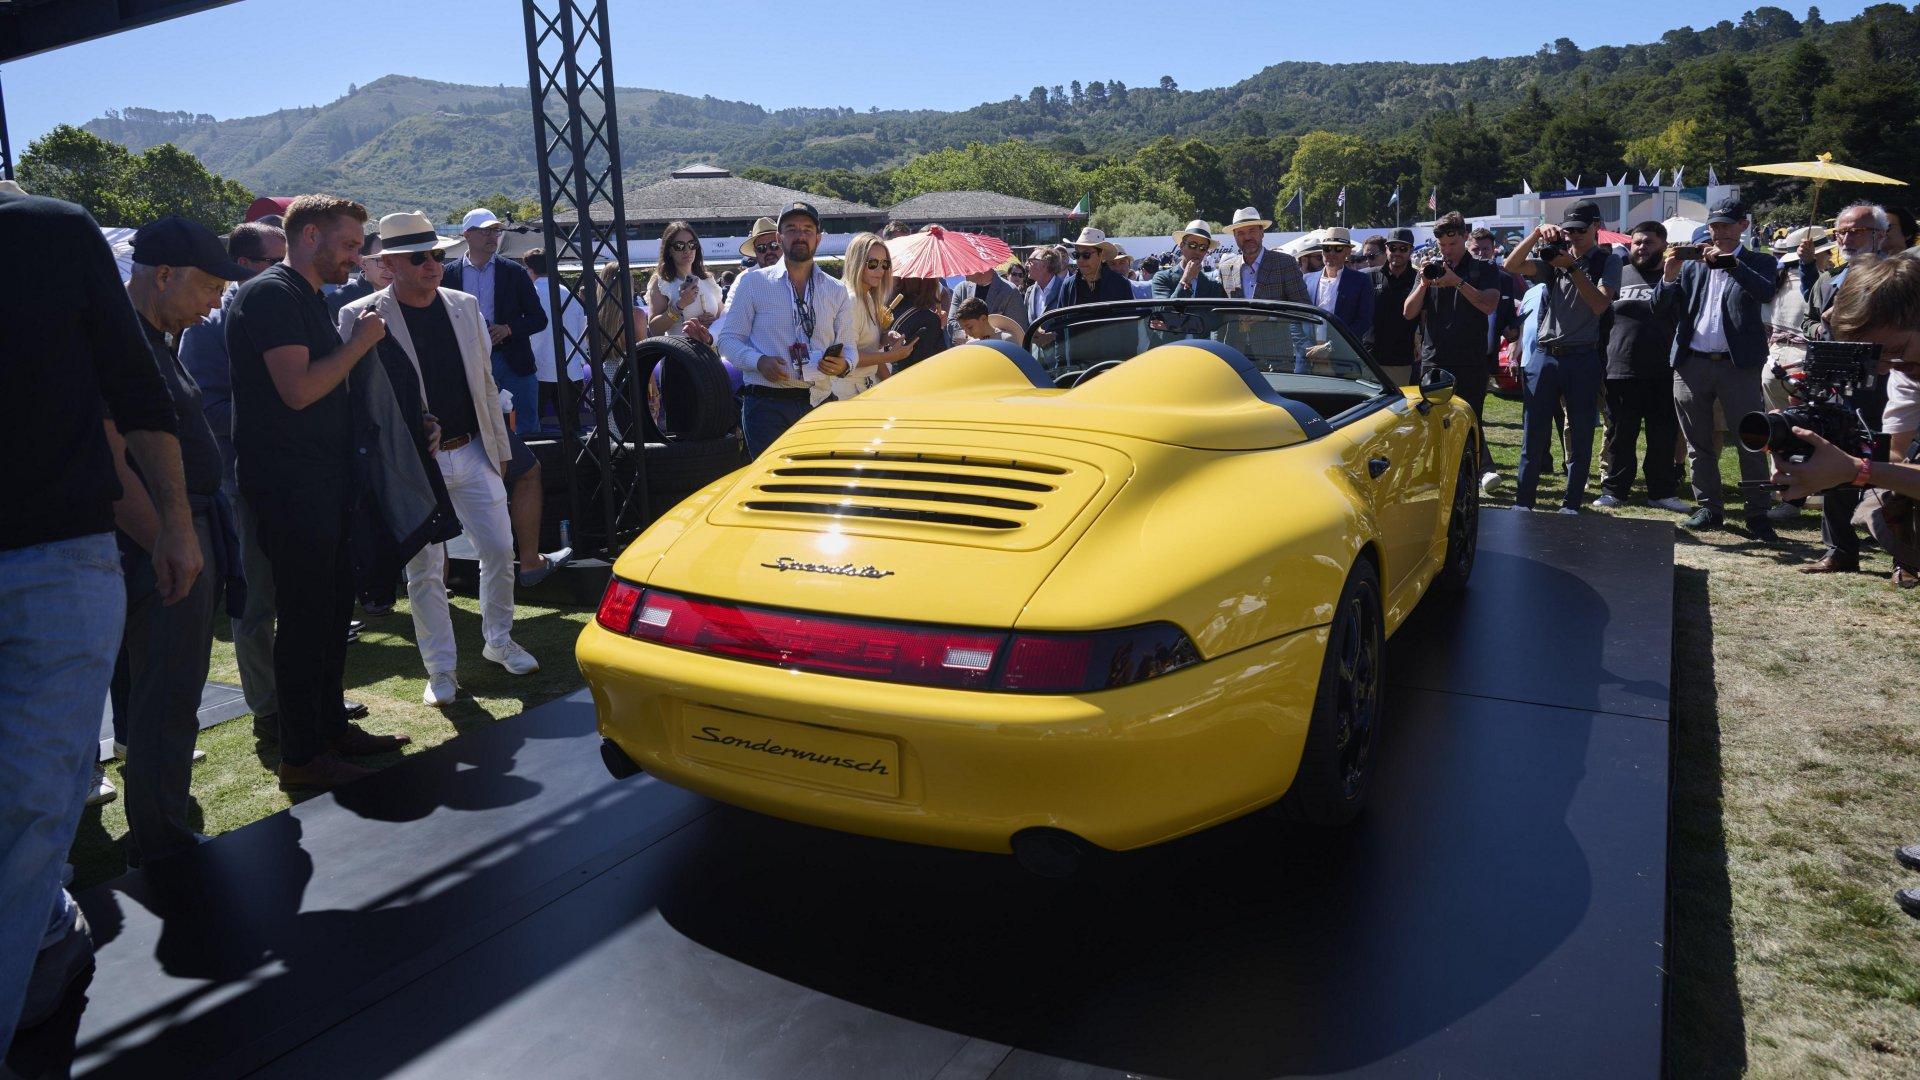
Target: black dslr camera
{"type": "Point", "coordinates": [1433, 271]}
{"type": "Point", "coordinates": [1552, 250]}
{"type": "Point", "coordinates": [1825, 385]}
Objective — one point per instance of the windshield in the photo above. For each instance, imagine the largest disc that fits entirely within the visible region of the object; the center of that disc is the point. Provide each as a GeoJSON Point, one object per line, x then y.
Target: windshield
{"type": "Point", "coordinates": [1288, 340]}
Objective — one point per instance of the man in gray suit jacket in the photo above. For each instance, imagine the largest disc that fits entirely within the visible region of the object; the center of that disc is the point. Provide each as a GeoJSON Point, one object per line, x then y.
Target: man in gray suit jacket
{"type": "Point", "coordinates": [997, 292]}
{"type": "Point", "coordinates": [1273, 274]}
{"type": "Point", "coordinates": [1719, 345]}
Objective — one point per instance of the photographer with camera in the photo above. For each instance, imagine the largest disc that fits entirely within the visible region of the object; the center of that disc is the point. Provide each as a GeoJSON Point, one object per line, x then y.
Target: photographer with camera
{"type": "Point", "coordinates": [1453, 298]}
{"type": "Point", "coordinates": [1582, 277]}
{"type": "Point", "coordinates": [1860, 229]}
{"type": "Point", "coordinates": [1714, 293]}
{"type": "Point", "coordinates": [1878, 304]}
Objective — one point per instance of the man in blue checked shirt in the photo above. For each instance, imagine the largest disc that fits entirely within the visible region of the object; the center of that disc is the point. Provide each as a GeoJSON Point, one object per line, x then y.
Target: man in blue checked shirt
{"type": "Point", "coordinates": [780, 321]}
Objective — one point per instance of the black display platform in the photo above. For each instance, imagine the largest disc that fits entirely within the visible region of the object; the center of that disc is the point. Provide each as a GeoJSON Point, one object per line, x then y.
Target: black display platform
{"type": "Point", "coordinates": [497, 907]}
{"type": "Point", "coordinates": [219, 703]}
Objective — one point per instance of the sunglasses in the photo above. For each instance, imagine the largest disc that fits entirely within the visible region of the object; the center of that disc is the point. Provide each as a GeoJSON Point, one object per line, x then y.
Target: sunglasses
{"type": "Point", "coordinates": [685, 245]}
{"type": "Point", "coordinates": [762, 249]}
{"type": "Point", "coordinates": [879, 264]}
{"type": "Point", "coordinates": [1574, 230]}
{"type": "Point", "coordinates": [1400, 247]}
{"type": "Point", "coordinates": [419, 258]}
{"type": "Point", "coordinates": [1195, 245]}
{"type": "Point", "coordinates": [1084, 254]}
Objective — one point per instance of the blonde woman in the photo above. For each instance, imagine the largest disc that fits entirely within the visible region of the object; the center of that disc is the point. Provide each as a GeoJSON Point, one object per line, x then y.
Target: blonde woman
{"type": "Point", "coordinates": [868, 274]}
{"type": "Point", "coordinates": [682, 299]}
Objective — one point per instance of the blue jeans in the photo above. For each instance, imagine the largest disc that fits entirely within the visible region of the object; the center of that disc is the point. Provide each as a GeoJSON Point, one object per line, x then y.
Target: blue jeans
{"type": "Point", "coordinates": [62, 606]}
{"type": "Point", "coordinates": [764, 419]}
{"type": "Point", "coordinates": [526, 396]}
{"type": "Point", "coordinates": [1576, 377]}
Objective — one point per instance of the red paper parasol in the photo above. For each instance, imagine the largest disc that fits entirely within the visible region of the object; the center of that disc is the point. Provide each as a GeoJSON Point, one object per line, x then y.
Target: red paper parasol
{"type": "Point", "coordinates": [935, 252]}
{"type": "Point", "coordinates": [1608, 236]}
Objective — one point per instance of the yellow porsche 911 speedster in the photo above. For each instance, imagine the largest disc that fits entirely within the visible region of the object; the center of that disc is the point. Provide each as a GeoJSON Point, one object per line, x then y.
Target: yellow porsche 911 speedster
{"type": "Point", "coordinates": [1115, 589]}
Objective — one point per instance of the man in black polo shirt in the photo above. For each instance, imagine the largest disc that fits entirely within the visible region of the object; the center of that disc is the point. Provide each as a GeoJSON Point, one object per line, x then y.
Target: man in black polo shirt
{"type": "Point", "coordinates": [1453, 308]}
{"type": "Point", "coordinates": [74, 356]}
{"type": "Point", "coordinates": [180, 271]}
{"type": "Point", "coordinates": [293, 445]}
{"type": "Point", "coordinates": [1391, 338]}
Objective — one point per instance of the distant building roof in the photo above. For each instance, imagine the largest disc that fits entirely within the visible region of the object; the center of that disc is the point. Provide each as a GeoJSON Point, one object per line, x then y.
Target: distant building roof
{"type": "Point", "coordinates": [703, 193]}
{"type": "Point", "coordinates": [945, 206]}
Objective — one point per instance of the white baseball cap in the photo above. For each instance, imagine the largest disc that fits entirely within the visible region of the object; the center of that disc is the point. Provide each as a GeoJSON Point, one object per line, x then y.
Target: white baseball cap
{"type": "Point", "coordinates": [481, 218]}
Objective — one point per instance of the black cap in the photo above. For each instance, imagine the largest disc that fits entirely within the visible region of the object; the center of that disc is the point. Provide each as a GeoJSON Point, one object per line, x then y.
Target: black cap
{"type": "Point", "coordinates": [1727, 209]}
{"type": "Point", "coordinates": [793, 208]}
{"type": "Point", "coordinates": [175, 241]}
{"type": "Point", "coordinates": [1585, 212]}
{"type": "Point", "coordinates": [1401, 236]}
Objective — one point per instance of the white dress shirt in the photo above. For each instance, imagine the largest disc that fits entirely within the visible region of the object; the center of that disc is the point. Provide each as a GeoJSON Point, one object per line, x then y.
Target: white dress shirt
{"type": "Point", "coordinates": [1709, 335]}
{"type": "Point", "coordinates": [1327, 292]}
{"type": "Point", "coordinates": [575, 322]}
{"type": "Point", "coordinates": [763, 320]}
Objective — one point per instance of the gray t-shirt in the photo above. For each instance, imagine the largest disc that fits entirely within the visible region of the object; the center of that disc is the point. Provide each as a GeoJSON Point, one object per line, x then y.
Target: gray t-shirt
{"type": "Point", "coordinates": [1565, 318]}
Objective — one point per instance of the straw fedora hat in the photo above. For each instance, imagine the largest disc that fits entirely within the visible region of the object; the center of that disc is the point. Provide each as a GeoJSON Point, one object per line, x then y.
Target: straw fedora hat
{"type": "Point", "coordinates": [1336, 236]}
{"type": "Point", "coordinates": [1247, 215]}
{"type": "Point", "coordinates": [410, 231]}
{"type": "Point", "coordinates": [1197, 227]}
{"type": "Point", "coordinates": [1094, 238]}
{"type": "Point", "coordinates": [760, 228]}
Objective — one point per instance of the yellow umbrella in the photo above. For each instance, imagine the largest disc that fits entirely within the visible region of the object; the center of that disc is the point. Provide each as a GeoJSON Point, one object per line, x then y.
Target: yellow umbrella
{"type": "Point", "coordinates": [1820, 170]}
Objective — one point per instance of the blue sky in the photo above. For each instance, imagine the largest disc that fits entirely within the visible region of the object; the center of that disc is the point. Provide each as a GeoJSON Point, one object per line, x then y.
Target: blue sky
{"type": "Point", "coordinates": [229, 61]}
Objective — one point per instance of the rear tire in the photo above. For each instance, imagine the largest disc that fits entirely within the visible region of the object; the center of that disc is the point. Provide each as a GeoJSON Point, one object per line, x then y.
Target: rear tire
{"type": "Point", "coordinates": [1463, 524]}
{"type": "Point", "coordinates": [1336, 764]}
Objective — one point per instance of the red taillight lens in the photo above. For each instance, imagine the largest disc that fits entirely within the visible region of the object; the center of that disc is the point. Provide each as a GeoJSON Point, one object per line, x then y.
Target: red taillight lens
{"type": "Point", "coordinates": [1077, 663]}
{"type": "Point", "coordinates": [616, 607]}
{"type": "Point", "coordinates": [955, 657]}
{"type": "Point", "coordinates": [929, 656]}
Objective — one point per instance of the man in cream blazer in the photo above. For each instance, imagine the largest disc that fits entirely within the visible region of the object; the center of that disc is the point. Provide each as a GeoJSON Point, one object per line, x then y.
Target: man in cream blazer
{"type": "Point", "coordinates": [444, 337]}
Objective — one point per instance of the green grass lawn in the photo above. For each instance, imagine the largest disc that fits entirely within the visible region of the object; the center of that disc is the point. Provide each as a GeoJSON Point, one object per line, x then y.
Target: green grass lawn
{"type": "Point", "coordinates": [1797, 754]}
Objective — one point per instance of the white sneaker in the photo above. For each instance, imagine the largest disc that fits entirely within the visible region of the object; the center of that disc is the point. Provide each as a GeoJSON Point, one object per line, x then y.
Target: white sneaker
{"type": "Point", "coordinates": [1782, 512]}
{"type": "Point", "coordinates": [1608, 501]}
{"type": "Point", "coordinates": [1568, 510]}
{"type": "Point", "coordinates": [102, 790]}
{"type": "Point", "coordinates": [1673, 503]}
{"type": "Point", "coordinates": [441, 689]}
{"type": "Point", "coordinates": [1489, 482]}
{"type": "Point", "coordinates": [512, 657]}
{"type": "Point", "coordinates": [199, 755]}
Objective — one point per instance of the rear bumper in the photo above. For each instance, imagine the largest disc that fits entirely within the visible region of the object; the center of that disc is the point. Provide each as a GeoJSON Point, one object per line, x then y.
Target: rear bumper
{"type": "Point", "coordinates": [1121, 768]}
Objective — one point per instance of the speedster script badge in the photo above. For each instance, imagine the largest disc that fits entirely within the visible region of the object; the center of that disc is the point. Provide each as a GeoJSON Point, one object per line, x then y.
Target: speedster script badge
{"type": "Point", "coordinates": [786, 562]}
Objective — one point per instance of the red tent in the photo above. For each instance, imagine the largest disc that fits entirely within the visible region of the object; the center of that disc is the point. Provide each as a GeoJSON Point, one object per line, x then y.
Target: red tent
{"type": "Point", "coordinates": [263, 206]}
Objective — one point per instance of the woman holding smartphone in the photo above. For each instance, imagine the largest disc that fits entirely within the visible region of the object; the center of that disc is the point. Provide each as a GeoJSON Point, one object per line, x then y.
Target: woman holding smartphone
{"type": "Point", "coordinates": [681, 298]}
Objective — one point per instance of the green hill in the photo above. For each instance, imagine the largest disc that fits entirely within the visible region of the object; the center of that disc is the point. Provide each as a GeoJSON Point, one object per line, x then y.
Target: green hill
{"type": "Point", "coordinates": [1769, 83]}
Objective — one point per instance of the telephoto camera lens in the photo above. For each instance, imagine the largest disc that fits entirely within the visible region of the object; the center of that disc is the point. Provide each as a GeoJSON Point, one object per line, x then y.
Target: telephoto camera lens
{"type": "Point", "coordinates": [1433, 271]}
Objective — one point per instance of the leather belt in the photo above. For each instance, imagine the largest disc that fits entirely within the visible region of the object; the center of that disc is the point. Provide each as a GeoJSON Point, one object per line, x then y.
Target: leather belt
{"type": "Point", "coordinates": [448, 446]}
{"type": "Point", "coordinates": [789, 393]}
{"type": "Point", "coordinates": [1559, 349]}
{"type": "Point", "coordinates": [1722, 357]}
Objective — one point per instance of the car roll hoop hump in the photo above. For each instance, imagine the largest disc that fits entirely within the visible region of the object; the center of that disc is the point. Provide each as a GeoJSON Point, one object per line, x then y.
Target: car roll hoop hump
{"type": "Point", "coordinates": [1436, 387]}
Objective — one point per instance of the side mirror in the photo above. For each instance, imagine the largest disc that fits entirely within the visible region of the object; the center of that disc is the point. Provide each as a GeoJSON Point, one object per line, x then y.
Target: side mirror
{"type": "Point", "coordinates": [1436, 387]}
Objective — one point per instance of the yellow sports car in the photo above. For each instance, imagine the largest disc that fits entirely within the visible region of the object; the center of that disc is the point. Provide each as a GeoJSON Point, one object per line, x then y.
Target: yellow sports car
{"type": "Point", "coordinates": [992, 607]}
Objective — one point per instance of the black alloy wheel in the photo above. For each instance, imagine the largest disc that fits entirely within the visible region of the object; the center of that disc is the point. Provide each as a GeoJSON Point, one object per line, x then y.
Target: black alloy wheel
{"type": "Point", "coordinates": [1357, 644]}
{"type": "Point", "coordinates": [1337, 760]}
{"type": "Point", "coordinates": [1463, 524]}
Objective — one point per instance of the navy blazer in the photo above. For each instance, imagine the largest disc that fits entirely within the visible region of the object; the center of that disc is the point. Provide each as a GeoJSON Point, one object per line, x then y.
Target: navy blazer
{"type": "Point", "coordinates": [515, 306]}
{"type": "Point", "coordinates": [1753, 285]}
{"type": "Point", "coordinates": [1352, 299]}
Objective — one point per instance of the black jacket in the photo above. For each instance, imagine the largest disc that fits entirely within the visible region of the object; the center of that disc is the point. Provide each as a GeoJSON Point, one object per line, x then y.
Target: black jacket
{"type": "Point", "coordinates": [403, 504]}
{"type": "Point", "coordinates": [1753, 284]}
{"type": "Point", "coordinates": [515, 306]}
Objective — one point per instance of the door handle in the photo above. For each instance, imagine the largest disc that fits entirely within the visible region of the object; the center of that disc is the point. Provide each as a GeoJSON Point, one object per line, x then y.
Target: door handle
{"type": "Point", "coordinates": [1376, 466]}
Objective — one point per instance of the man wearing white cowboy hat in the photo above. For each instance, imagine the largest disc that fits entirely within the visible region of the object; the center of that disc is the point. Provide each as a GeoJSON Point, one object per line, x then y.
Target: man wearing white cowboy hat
{"type": "Point", "coordinates": [1091, 282]}
{"type": "Point", "coordinates": [763, 244]}
{"type": "Point", "coordinates": [1256, 271]}
{"type": "Point", "coordinates": [444, 337]}
{"type": "Point", "coordinates": [1185, 277]}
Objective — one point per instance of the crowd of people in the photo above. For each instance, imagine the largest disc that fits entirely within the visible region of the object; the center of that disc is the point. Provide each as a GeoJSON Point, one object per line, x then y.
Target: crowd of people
{"type": "Point", "coordinates": [219, 438]}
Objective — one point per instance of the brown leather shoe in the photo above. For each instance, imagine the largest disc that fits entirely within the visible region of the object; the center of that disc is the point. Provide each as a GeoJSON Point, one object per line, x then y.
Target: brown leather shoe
{"type": "Point", "coordinates": [359, 742]}
{"type": "Point", "coordinates": [1832, 563]}
{"type": "Point", "coordinates": [1905, 578]}
{"type": "Point", "coordinates": [323, 773]}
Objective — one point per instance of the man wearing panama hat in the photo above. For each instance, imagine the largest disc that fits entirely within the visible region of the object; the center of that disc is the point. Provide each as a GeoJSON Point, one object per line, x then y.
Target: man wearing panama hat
{"type": "Point", "coordinates": [1091, 282]}
{"type": "Point", "coordinates": [763, 244]}
{"type": "Point", "coordinates": [444, 338]}
{"type": "Point", "coordinates": [1185, 278]}
{"type": "Point", "coordinates": [1256, 271]}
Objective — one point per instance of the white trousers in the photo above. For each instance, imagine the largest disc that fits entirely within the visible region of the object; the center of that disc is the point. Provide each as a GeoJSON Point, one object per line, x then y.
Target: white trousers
{"type": "Point", "coordinates": [480, 502]}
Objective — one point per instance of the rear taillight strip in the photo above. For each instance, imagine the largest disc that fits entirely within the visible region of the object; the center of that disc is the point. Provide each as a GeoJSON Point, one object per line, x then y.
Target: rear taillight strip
{"type": "Point", "coordinates": [962, 658]}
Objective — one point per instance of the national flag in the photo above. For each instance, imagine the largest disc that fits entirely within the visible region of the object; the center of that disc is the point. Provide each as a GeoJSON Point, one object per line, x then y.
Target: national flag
{"type": "Point", "coordinates": [1433, 199]}
{"type": "Point", "coordinates": [1394, 200]}
{"type": "Point", "coordinates": [1294, 205]}
{"type": "Point", "coordinates": [1340, 200]}
{"type": "Point", "coordinates": [1082, 208]}
{"type": "Point", "coordinates": [1712, 180]}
